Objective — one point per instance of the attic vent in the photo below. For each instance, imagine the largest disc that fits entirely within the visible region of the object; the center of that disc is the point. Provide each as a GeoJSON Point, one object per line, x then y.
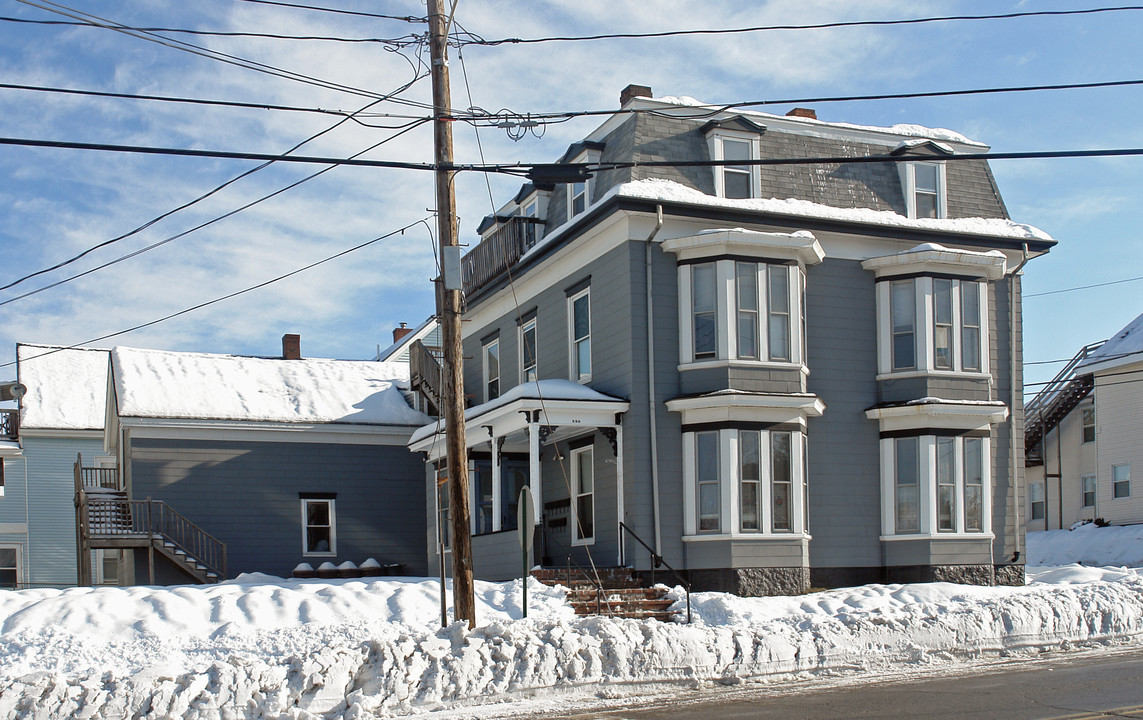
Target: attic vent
{"type": "Point", "coordinates": [634, 91]}
{"type": "Point", "coordinates": [803, 112]}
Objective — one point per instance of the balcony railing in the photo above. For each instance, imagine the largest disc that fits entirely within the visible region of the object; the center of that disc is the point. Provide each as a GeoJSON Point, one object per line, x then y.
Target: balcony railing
{"type": "Point", "coordinates": [10, 424]}
{"type": "Point", "coordinates": [499, 251]}
{"type": "Point", "coordinates": [425, 373]}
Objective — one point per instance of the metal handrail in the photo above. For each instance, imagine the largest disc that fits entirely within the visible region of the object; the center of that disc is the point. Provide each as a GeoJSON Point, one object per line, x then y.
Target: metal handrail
{"type": "Point", "coordinates": [656, 561]}
{"type": "Point", "coordinates": [1062, 378]}
{"type": "Point", "coordinates": [594, 581]}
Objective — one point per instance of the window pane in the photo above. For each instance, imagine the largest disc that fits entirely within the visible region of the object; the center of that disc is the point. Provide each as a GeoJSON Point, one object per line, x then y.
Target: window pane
{"type": "Point", "coordinates": [970, 348]}
{"type": "Point", "coordinates": [736, 184]}
{"type": "Point", "coordinates": [973, 461]}
{"type": "Point", "coordinates": [942, 315]}
{"type": "Point", "coordinates": [907, 510]}
{"type": "Point", "coordinates": [7, 557]}
{"type": "Point", "coordinates": [584, 469]}
{"type": "Point", "coordinates": [903, 311]}
{"type": "Point", "coordinates": [780, 456]}
{"type": "Point", "coordinates": [703, 304]}
{"type": "Point", "coordinates": [746, 288]}
{"type": "Point", "coordinates": [8, 579]}
{"type": "Point", "coordinates": [317, 539]}
{"type": "Point", "coordinates": [779, 289]}
{"type": "Point", "coordinates": [708, 506]}
{"type": "Point", "coordinates": [735, 149]}
{"type": "Point", "coordinates": [1089, 425]}
{"type": "Point", "coordinates": [513, 477]}
{"type": "Point", "coordinates": [973, 508]}
{"type": "Point", "coordinates": [970, 322]}
{"type": "Point", "coordinates": [946, 484]}
{"type": "Point", "coordinates": [746, 275]}
{"type": "Point", "coordinates": [528, 348]}
{"type": "Point", "coordinates": [585, 515]}
{"type": "Point", "coordinates": [748, 446]}
{"type": "Point", "coordinates": [482, 484]}
{"type": "Point", "coordinates": [779, 326]}
{"type": "Point", "coordinates": [1122, 481]}
{"type": "Point", "coordinates": [579, 198]}
{"type": "Point", "coordinates": [750, 518]}
{"type": "Point", "coordinates": [926, 177]}
{"type": "Point", "coordinates": [926, 205]}
{"type": "Point", "coordinates": [781, 506]}
{"type": "Point", "coordinates": [706, 451]}
{"type": "Point", "coordinates": [317, 513]}
{"type": "Point", "coordinates": [747, 335]}
{"type": "Point", "coordinates": [581, 312]}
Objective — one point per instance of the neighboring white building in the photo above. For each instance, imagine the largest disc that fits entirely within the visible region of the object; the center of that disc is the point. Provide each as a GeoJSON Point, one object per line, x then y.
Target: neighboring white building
{"type": "Point", "coordinates": [1083, 434]}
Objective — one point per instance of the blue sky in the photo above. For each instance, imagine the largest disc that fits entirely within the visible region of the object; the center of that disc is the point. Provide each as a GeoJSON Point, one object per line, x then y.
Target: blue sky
{"type": "Point", "coordinates": [56, 203]}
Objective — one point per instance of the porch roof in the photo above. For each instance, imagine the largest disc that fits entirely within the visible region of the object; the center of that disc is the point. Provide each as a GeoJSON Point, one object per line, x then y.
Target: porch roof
{"type": "Point", "coordinates": [546, 402]}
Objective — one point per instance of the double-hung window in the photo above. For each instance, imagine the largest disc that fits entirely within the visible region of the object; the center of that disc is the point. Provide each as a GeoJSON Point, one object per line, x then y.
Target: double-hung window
{"type": "Point", "coordinates": [781, 481]}
{"type": "Point", "coordinates": [1036, 500]}
{"type": "Point", "coordinates": [709, 499]}
{"type": "Point", "coordinates": [703, 308]}
{"type": "Point", "coordinates": [942, 324]}
{"type": "Point", "coordinates": [907, 504]}
{"type": "Point", "coordinates": [583, 480]}
{"type": "Point", "coordinates": [530, 210]}
{"type": "Point", "coordinates": [946, 484]}
{"type": "Point", "coordinates": [746, 289]}
{"type": "Point", "coordinates": [1120, 481]}
{"type": "Point", "coordinates": [973, 484]}
{"type": "Point", "coordinates": [926, 190]}
{"type": "Point", "coordinates": [1087, 488]}
{"type": "Point", "coordinates": [903, 300]}
{"type": "Point", "coordinates": [10, 567]}
{"type": "Point", "coordinates": [736, 181]}
{"type": "Point", "coordinates": [936, 484]}
{"type": "Point", "coordinates": [579, 320]}
{"type": "Point", "coordinates": [779, 311]}
{"type": "Point", "coordinates": [750, 480]}
{"type": "Point", "coordinates": [491, 370]}
{"type": "Point", "coordinates": [528, 351]}
{"type": "Point", "coordinates": [1088, 416]}
{"type": "Point", "coordinates": [970, 325]}
{"type": "Point", "coordinates": [733, 150]}
{"type": "Point", "coordinates": [319, 528]}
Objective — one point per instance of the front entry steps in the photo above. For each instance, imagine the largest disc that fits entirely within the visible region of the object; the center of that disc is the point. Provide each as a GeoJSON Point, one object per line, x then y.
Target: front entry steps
{"type": "Point", "coordinates": [619, 593]}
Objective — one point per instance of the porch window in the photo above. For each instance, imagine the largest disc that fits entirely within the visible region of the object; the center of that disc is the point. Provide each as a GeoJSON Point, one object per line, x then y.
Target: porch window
{"type": "Point", "coordinates": [319, 528]}
{"type": "Point", "coordinates": [583, 480]}
{"type": "Point", "coordinates": [579, 315]}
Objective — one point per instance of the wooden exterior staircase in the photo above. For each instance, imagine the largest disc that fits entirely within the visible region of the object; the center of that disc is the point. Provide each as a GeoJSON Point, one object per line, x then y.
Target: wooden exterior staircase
{"type": "Point", "coordinates": [106, 518]}
{"type": "Point", "coordinates": [618, 593]}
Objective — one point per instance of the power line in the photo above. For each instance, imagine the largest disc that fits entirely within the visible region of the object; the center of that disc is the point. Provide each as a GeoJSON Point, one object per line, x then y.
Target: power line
{"type": "Point", "coordinates": [714, 109]}
{"type": "Point", "coordinates": [816, 26]}
{"type": "Point", "coordinates": [97, 21]}
{"type": "Point", "coordinates": [201, 101]}
{"type": "Point", "coordinates": [523, 168]}
{"type": "Point", "coordinates": [396, 42]}
{"type": "Point", "coordinates": [251, 288]}
{"type": "Point", "coordinates": [182, 234]}
{"type": "Point", "coordinates": [1084, 287]}
{"type": "Point", "coordinates": [405, 18]}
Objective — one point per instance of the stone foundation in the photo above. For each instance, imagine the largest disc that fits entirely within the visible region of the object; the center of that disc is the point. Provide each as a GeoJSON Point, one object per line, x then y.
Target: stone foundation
{"type": "Point", "coordinates": [1010, 575]}
{"type": "Point", "coordinates": [752, 582]}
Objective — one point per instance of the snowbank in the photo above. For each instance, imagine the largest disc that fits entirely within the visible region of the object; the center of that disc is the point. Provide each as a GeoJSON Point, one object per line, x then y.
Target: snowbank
{"type": "Point", "coordinates": [356, 649]}
{"type": "Point", "coordinates": [1088, 544]}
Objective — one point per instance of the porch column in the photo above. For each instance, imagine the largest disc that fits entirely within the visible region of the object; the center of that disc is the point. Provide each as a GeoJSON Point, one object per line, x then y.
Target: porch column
{"type": "Point", "coordinates": [619, 505]}
{"type": "Point", "coordinates": [497, 484]}
{"type": "Point", "coordinates": [534, 480]}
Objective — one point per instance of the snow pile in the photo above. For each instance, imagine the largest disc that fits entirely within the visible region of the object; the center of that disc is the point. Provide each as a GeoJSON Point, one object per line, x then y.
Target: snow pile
{"type": "Point", "coordinates": [162, 384]}
{"type": "Point", "coordinates": [265, 647]}
{"type": "Point", "coordinates": [67, 387]}
{"type": "Point", "coordinates": [1088, 544]}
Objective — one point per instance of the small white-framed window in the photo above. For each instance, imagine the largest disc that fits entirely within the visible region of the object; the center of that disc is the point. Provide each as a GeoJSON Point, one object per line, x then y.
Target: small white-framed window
{"type": "Point", "coordinates": [583, 480]}
{"type": "Point", "coordinates": [319, 527]}
{"type": "Point", "coordinates": [579, 337]}
{"type": "Point", "coordinates": [925, 194]}
{"type": "Point", "coordinates": [1121, 481]}
{"type": "Point", "coordinates": [903, 313]}
{"type": "Point", "coordinates": [907, 496]}
{"type": "Point", "coordinates": [579, 193]}
{"type": "Point", "coordinates": [1087, 491]}
{"type": "Point", "coordinates": [708, 498]}
{"type": "Point", "coordinates": [1088, 417]}
{"type": "Point", "coordinates": [1037, 505]}
{"type": "Point", "coordinates": [733, 181]}
{"type": "Point", "coordinates": [491, 356]}
{"type": "Point", "coordinates": [528, 351]}
{"type": "Point", "coordinates": [11, 570]}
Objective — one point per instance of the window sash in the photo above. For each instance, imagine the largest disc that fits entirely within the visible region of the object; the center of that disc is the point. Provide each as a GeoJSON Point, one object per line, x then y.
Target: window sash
{"type": "Point", "coordinates": [781, 481]}
{"type": "Point", "coordinates": [779, 307]}
{"type": "Point", "coordinates": [492, 370]}
{"type": "Point", "coordinates": [750, 478]}
{"type": "Point", "coordinates": [703, 308]}
{"type": "Point", "coordinates": [946, 485]}
{"type": "Point", "coordinates": [1121, 481]}
{"type": "Point", "coordinates": [942, 324]}
{"type": "Point", "coordinates": [581, 336]}
{"type": "Point", "coordinates": [318, 527]}
{"type": "Point", "coordinates": [926, 190]}
{"type": "Point", "coordinates": [578, 198]}
{"type": "Point", "coordinates": [903, 312]}
{"type": "Point", "coordinates": [970, 325]}
{"type": "Point", "coordinates": [708, 498]}
{"type": "Point", "coordinates": [528, 352]}
{"type": "Point", "coordinates": [1087, 489]}
{"type": "Point", "coordinates": [746, 291]}
{"type": "Point", "coordinates": [483, 489]}
{"type": "Point", "coordinates": [1039, 506]}
{"type": "Point", "coordinates": [1088, 416]}
{"type": "Point", "coordinates": [907, 500]}
{"type": "Point", "coordinates": [973, 484]}
{"type": "Point", "coordinates": [736, 179]}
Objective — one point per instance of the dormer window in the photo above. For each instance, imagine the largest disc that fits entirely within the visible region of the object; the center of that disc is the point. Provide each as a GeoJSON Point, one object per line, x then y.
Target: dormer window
{"type": "Point", "coordinates": [579, 192]}
{"type": "Point", "coordinates": [927, 196]}
{"type": "Point", "coordinates": [577, 198]}
{"type": "Point", "coordinates": [735, 140]}
{"type": "Point", "coordinates": [923, 179]}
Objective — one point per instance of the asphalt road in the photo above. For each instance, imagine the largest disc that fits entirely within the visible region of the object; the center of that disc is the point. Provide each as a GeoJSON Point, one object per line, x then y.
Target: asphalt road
{"type": "Point", "coordinates": [1072, 686]}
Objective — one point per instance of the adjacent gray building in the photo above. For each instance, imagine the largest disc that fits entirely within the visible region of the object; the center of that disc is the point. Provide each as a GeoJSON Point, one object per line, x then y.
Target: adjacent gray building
{"type": "Point", "coordinates": [776, 376]}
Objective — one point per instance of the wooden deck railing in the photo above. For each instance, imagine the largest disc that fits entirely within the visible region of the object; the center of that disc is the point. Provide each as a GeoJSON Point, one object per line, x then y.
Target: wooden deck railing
{"type": "Point", "coordinates": [10, 424]}
{"type": "Point", "coordinates": [499, 251]}
{"type": "Point", "coordinates": [425, 373]}
{"type": "Point", "coordinates": [114, 516]}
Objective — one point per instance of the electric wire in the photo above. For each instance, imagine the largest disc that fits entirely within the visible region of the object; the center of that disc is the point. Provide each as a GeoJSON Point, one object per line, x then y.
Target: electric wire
{"type": "Point", "coordinates": [228, 296]}
{"type": "Point", "coordinates": [235, 60]}
{"type": "Point", "coordinates": [1084, 287]}
{"type": "Point", "coordinates": [144, 226]}
{"type": "Point", "coordinates": [177, 236]}
{"type": "Point", "coordinates": [396, 42]}
{"type": "Point", "coordinates": [813, 26]}
{"type": "Point", "coordinates": [404, 18]}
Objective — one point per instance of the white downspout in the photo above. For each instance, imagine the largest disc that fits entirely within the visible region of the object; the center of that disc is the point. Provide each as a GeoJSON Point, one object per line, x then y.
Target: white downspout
{"type": "Point", "coordinates": [651, 405]}
{"type": "Point", "coordinates": [1019, 497]}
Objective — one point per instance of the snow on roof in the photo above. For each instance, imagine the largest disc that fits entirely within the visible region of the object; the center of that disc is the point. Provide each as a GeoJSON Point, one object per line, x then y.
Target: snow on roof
{"type": "Point", "coordinates": [67, 387]}
{"type": "Point", "coordinates": [937, 247]}
{"type": "Point", "coordinates": [1127, 341]}
{"type": "Point", "coordinates": [903, 129]}
{"type": "Point", "coordinates": [547, 390]}
{"type": "Point", "coordinates": [666, 190]}
{"type": "Point", "coordinates": [163, 384]}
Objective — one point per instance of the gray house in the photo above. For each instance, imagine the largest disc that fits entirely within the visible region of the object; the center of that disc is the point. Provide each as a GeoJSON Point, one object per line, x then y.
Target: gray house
{"type": "Point", "coordinates": [228, 464]}
{"type": "Point", "coordinates": [775, 376]}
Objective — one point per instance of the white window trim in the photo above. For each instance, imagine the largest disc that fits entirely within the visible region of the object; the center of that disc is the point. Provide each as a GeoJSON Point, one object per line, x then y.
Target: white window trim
{"type": "Point", "coordinates": [574, 456]}
{"type": "Point", "coordinates": [927, 495]}
{"type": "Point", "coordinates": [1094, 486]}
{"type": "Point", "coordinates": [730, 483]}
{"type": "Point", "coordinates": [573, 355]}
{"type": "Point", "coordinates": [332, 527]}
{"type": "Point", "coordinates": [909, 179]}
{"type": "Point", "coordinates": [530, 323]}
{"type": "Point", "coordinates": [1114, 481]}
{"type": "Point", "coordinates": [714, 144]}
{"type": "Point", "coordinates": [924, 330]}
{"type": "Point", "coordinates": [484, 353]}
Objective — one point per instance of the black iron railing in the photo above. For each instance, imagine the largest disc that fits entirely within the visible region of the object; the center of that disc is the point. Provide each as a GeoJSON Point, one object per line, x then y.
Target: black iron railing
{"type": "Point", "coordinates": [657, 561]}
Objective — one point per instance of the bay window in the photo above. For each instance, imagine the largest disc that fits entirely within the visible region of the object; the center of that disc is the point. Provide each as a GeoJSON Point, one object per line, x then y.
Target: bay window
{"type": "Point", "coordinates": [935, 484]}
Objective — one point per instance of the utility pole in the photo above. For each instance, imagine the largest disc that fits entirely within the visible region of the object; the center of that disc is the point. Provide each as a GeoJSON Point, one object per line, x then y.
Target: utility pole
{"type": "Point", "coordinates": [448, 313]}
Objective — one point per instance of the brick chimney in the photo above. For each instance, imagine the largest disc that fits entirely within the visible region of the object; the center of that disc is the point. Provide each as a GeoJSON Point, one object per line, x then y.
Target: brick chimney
{"type": "Point", "coordinates": [291, 347]}
{"type": "Point", "coordinates": [633, 91]}
{"type": "Point", "coordinates": [803, 112]}
{"type": "Point", "coordinates": [400, 332]}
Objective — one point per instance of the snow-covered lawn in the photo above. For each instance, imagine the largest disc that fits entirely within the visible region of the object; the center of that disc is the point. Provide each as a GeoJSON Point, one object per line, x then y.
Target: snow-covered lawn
{"type": "Point", "coordinates": [266, 647]}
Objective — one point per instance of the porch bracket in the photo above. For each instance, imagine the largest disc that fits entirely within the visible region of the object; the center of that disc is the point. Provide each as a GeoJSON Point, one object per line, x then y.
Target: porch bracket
{"type": "Point", "coordinates": [612, 438]}
{"type": "Point", "coordinates": [546, 432]}
{"type": "Point", "coordinates": [500, 443]}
